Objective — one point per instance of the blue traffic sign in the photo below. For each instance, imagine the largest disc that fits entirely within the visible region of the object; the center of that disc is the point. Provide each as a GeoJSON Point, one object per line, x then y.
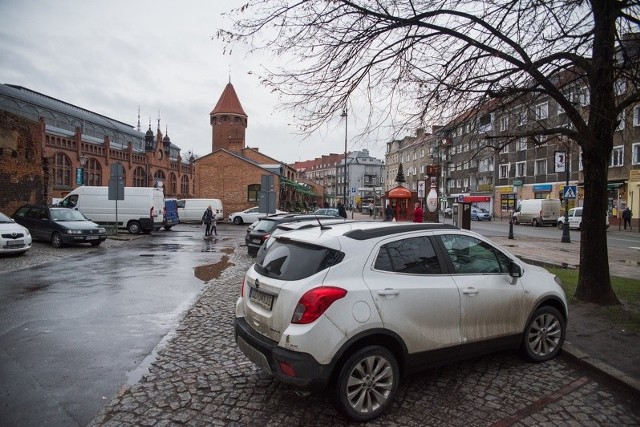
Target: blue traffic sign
{"type": "Point", "coordinates": [570, 191]}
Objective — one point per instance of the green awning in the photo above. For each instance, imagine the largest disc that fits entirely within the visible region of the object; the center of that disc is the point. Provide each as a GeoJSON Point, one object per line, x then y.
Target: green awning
{"type": "Point", "coordinates": [299, 188]}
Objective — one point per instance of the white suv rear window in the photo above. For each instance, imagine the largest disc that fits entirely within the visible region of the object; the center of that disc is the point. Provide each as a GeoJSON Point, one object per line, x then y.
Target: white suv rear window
{"type": "Point", "coordinates": [287, 260]}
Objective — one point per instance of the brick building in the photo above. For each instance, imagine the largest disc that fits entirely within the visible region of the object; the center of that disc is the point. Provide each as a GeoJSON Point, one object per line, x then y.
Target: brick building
{"type": "Point", "coordinates": [232, 172]}
{"type": "Point", "coordinates": [49, 147]}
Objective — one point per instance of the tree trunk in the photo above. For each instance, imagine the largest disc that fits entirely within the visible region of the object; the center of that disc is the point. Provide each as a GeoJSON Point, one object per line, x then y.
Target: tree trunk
{"type": "Point", "coordinates": [594, 281]}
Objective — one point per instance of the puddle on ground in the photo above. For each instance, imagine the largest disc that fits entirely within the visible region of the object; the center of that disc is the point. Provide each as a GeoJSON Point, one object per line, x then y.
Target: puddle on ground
{"type": "Point", "coordinates": [212, 271]}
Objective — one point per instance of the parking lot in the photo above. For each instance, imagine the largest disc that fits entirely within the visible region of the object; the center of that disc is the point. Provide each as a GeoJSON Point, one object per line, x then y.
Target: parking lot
{"type": "Point", "coordinates": [199, 377]}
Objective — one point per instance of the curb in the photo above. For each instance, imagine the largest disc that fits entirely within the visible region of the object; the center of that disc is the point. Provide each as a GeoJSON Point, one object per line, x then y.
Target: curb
{"type": "Point", "coordinates": [573, 353]}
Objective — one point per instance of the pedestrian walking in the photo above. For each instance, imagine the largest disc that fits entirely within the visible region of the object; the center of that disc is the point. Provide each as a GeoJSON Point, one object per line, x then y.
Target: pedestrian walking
{"type": "Point", "coordinates": [342, 211]}
{"type": "Point", "coordinates": [626, 217]}
{"type": "Point", "coordinates": [370, 209]}
{"type": "Point", "coordinates": [208, 218]}
{"type": "Point", "coordinates": [417, 213]}
{"type": "Point", "coordinates": [388, 213]}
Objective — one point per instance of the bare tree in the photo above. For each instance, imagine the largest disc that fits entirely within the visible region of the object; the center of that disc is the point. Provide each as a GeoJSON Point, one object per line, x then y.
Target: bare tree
{"type": "Point", "coordinates": [417, 60]}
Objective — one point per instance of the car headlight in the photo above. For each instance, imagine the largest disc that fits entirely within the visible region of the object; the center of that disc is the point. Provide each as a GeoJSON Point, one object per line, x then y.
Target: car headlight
{"type": "Point", "coordinates": [26, 232]}
{"type": "Point", "coordinates": [102, 230]}
{"type": "Point", "coordinates": [74, 231]}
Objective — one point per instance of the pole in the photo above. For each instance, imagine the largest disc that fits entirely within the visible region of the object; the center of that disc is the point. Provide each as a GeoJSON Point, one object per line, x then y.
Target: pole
{"type": "Point", "coordinates": [566, 237]}
{"type": "Point", "coordinates": [344, 184]}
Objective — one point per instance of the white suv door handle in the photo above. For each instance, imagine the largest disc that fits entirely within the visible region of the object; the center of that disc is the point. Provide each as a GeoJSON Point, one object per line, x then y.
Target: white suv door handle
{"type": "Point", "coordinates": [388, 292]}
{"type": "Point", "coordinates": [470, 291]}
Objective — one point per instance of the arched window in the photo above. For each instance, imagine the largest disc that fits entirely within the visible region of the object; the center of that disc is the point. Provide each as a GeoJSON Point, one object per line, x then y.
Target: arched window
{"type": "Point", "coordinates": [173, 184]}
{"type": "Point", "coordinates": [184, 185]}
{"type": "Point", "coordinates": [159, 176]}
{"type": "Point", "coordinates": [61, 170]}
{"type": "Point", "coordinates": [93, 173]}
{"type": "Point", "coordinates": [139, 177]}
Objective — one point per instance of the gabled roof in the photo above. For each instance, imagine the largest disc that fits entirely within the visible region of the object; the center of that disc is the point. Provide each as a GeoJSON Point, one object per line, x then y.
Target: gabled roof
{"type": "Point", "coordinates": [228, 102]}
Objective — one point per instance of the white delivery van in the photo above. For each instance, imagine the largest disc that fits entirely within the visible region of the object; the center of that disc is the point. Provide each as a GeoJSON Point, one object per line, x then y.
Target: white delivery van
{"type": "Point", "coordinates": [142, 209]}
{"type": "Point", "coordinates": [191, 210]}
{"type": "Point", "coordinates": [537, 212]}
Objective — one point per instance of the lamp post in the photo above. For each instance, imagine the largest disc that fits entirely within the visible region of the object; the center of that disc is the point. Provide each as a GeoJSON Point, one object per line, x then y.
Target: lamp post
{"type": "Point", "coordinates": [344, 184]}
{"type": "Point", "coordinates": [83, 162]}
{"type": "Point", "coordinates": [566, 237]}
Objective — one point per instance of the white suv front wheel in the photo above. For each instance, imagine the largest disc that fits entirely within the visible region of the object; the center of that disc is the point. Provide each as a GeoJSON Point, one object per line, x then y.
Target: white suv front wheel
{"type": "Point", "coordinates": [544, 334]}
{"type": "Point", "coordinates": [367, 383]}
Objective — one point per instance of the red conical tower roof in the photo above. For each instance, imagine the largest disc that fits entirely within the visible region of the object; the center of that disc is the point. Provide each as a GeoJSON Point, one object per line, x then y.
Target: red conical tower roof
{"type": "Point", "coordinates": [228, 102]}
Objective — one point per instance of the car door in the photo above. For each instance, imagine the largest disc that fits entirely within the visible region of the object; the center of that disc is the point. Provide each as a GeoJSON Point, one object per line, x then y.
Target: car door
{"type": "Point", "coordinates": [575, 218]}
{"type": "Point", "coordinates": [413, 296]}
{"type": "Point", "coordinates": [492, 302]}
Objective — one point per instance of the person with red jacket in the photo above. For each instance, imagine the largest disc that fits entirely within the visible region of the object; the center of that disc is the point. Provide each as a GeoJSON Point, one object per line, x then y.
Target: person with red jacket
{"type": "Point", "coordinates": [417, 213]}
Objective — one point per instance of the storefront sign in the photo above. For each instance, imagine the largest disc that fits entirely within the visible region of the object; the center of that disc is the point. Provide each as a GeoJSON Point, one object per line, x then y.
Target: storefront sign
{"type": "Point", "coordinates": [542, 187]}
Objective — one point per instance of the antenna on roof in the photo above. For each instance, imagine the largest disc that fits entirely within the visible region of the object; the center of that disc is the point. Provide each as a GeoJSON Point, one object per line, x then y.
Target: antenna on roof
{"type": "Point", "coordinates": [138, 118]}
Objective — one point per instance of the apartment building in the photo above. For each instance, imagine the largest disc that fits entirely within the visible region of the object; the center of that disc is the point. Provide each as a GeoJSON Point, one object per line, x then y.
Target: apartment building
{"type": "Point", "coordinates": [363, 183]}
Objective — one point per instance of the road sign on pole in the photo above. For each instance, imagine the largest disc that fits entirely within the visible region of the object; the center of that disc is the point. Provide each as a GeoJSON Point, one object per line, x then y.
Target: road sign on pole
{"type": "Point", "coordinates": [569, 192]}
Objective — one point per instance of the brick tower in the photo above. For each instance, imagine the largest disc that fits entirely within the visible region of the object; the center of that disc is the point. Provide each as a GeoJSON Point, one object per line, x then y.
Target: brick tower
{"type": "Point", "coordinates": [228, 122]}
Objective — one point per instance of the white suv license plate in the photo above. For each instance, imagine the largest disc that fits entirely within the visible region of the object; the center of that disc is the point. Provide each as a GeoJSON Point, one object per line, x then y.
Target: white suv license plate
{"type": "Point", "coordinates": [260, 298]}
{"type": "Point", "coordinates": [15, 242]}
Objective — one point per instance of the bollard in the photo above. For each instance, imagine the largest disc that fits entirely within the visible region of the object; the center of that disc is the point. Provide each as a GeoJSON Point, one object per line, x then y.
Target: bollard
{"type": "Point", "coordinates": [511, 228]}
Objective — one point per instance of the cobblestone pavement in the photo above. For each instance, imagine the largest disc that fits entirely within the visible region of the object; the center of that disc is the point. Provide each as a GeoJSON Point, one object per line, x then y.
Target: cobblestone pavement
{"type": "Point", "coordinates": [200, 378]}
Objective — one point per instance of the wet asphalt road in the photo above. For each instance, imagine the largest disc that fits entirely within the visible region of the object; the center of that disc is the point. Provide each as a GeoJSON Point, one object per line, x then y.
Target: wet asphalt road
{"type": "Point", "coordinates": [79, 324]}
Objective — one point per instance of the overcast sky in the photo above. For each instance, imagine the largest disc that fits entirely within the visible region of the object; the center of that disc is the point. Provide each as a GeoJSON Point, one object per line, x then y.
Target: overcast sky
{"type": "Point", "coordinates": [114, 56]}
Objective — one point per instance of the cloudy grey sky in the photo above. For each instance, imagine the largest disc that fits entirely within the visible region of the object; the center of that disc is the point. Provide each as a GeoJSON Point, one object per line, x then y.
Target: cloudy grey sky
{"type": "Point", "coordinates": [112, 56]}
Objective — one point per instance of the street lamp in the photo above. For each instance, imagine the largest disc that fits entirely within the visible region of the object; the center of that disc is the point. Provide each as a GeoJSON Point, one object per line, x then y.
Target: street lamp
{"type": "Point", "coordinates": [83, 162]}
{"type": "Point", "coordinates": [344, 188]}
{"type": "Point", "coordinates": [566, 237]}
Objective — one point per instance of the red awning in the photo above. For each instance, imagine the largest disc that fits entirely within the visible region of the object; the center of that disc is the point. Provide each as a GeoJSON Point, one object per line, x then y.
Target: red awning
{"type": "Point", "coordinates": [399, 193]}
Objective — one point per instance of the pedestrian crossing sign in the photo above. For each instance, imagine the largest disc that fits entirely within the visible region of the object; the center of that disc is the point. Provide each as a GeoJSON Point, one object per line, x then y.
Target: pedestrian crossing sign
{"type": "Point", "coordinates": [569, 192]}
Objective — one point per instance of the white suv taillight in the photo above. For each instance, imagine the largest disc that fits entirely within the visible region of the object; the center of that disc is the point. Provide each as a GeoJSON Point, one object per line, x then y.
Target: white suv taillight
{"type": "Point", "coordinates": [315, 302]}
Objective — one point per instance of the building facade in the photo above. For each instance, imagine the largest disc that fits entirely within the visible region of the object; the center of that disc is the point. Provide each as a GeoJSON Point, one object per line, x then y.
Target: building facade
{"type": "Point", "coordinates": [480, 166]}
{"type": "Point", "coordinates": [48, 147]}
{"type": "Point", "coordinates": [234, 173]}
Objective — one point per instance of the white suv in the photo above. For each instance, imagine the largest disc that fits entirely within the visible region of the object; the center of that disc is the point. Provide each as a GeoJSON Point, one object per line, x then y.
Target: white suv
{"type": "Point", "coordinates": [355, 305]}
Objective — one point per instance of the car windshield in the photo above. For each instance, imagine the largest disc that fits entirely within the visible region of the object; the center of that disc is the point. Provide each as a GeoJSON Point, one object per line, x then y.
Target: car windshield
{"type": "Point", "coordinates": [66, 215]}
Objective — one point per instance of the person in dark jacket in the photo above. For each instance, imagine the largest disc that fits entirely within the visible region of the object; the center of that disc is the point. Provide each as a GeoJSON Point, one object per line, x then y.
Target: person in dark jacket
{"type": "Point", "coordinates": [208, 220]}
{"type": "Point", "coordinates": [388, 213]}
{"type": "Point", "coordinates": [342, 211]}
{"type": "Point", "coordinates": [626, 216]}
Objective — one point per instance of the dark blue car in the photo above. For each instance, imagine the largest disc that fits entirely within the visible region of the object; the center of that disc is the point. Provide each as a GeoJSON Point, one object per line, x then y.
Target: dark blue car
{"type": "Point", "coordinates": [170, 213]}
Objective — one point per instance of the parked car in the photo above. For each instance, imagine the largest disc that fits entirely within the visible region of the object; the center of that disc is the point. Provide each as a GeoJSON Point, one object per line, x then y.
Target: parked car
{"type": "Point", "coordinates": [575, 219]}
{"type": "Point", "coordinates": [14, 238]}
{"type": "Point", "coordinates": [480, 214]}
{"type": "Point", "coordinates": [448, 212]}
{"type": "Point", "coordinates": [307, 223]}
{"type": "Point", "coordinates": [262, 230]}
{"type": "Point", "coordinates": [249, 215]}
{"type": "Point", "coordinates": [326, 212]}
{"type": "Point", "coordinates": [357, 305]}
{"type": "Point", "coordinates": [60, 226]}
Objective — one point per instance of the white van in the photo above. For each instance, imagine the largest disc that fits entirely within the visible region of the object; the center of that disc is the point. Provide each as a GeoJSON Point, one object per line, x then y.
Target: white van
{"type": "Point", "coordinates": [575, 219]}
{"type": "Point", "coordinates": [537, 212]}
{"type": "Point", "coordinates": [191, 210]}
{"type": "Point", "coordinates": [142, 209]}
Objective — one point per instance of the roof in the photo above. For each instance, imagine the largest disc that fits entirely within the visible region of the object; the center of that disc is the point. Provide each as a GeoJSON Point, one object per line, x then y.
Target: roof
{"type": "Point", "coordinates": [228, 102]}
